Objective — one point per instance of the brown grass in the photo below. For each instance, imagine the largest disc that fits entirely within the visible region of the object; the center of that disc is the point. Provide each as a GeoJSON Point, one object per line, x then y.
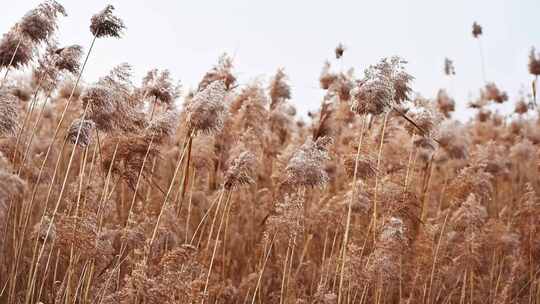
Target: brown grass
{"type": "Point", "coordinates": [118, 193]}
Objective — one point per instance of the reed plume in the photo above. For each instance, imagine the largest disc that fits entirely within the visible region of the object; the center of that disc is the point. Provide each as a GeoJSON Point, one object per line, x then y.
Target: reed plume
{"type": "Point", "coordinates": [105, 24]}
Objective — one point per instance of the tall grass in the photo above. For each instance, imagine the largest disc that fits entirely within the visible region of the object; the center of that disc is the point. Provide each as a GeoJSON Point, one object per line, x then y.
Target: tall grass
{"type": "Point", "coordinates": [116, 192]}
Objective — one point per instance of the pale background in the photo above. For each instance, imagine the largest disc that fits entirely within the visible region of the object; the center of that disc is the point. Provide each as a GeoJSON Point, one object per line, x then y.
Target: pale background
{"type": "Point", "coordinates": [187, 37]}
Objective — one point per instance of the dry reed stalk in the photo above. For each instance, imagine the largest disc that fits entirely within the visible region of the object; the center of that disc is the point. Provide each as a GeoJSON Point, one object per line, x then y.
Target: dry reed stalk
{"type": "Point", "coordinates": [379, 158]}
{"type": "Point", "coordinates": [72, 249]}
{"type": "Point", "coordinates": [283, 278]}
{"type": "Point", "coordinates": [218, 198]}
{"type": "Point", "coordinates": [185, 175]}
{"type": "Point", "coordinates": [349, 209]}
{"type": "Point", "coordinates": [49, 148]}
{"type": "Point", "coordinates": [103, 198]}
{"type": "Point", "coordinates": [266, 255]}
{"type": "Point", "coordinates": [425, 188]}
{"type": "Point", "coordinates": [32, 135]}
{"type": "Point", "coordinates": [27, 115]}
{"type": "Point", "coordinates": [227, 201]}
{"type": "Point", "coordinates": [57, 205]}
{"type": "Point", "coordinates": [188, 217]}
{"type": "Point", "coordinates": [288, 276]}
{"type": "Point", "coordinates": [432, 274]}
{"type": "Point", "coordinates": [412, 151]}
{"type": "Point", "coordinates": [167, 196]}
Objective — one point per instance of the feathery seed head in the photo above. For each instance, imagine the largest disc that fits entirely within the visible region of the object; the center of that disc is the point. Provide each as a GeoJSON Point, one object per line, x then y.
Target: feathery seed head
{"type": "Point", "coordinates": [385, 84]}
{"type": "Point", "coordinates": [82, 128]}
{"type": "Point", "coordinates": [365, 168]}
{"type": "Point", "coordinates": [425, 117]}
{"type": "Point", "coordinates": [241, 172]}
{"type": "Point", "coordinates": [445, 103]}
{"type": "Point", "coordinates": [206, 111]}
{"type": "Point", "coordinates": [279, 89]}
{"type": "Point", "coordinates": [39, 24]}
{"type": "Point", "coordinates": [392, 230]}
{"type": "Point", "coordinates": [54, 61]}
{"type": "Point", "coordinates": [287, 219]}
{"type": "Point", "coordinates": [326, 78]}
{"type": "Point", "coordinates": [393, 69]}
{"type": "Point", "coordinates": [521, 107]}
{"type": "Point", "coordinates": [163, 126]}
{"type": "Point", "coordinates": [372, 96]}
{"type": "Point", "coordinates": [8, 114]}
{"type": "Point", "coordinates": [493, 93]}
{"type": "Point", "coordinates": [69, 58]}
{"type": "Point", "coordinates": [105, 24]}
{"type": "Point", "coordinates": [449, 69]}
{"type": "Point", "coordinates": [306, 166]}
{"type": "Point", "coordinates": [222, 71]}
{"type": "Point", "coordinates": [477, 30]}
{"type": "Point", "coordinates": [470, 214]}
{"type": "Point", "coordinates": [45, 230]}
{"type": "Point", "coordinates": [160, 86]}
{"type": "Point", "coordinates": [98, 98]}
{"type": "Point", "coordinates": [12, 41]}
{"type": "Point", "coordinates": [12, 187]}
{"type": "Point", "coordinates": [340, 49]}
{"type": "Point", "coordinates": [534, 62]}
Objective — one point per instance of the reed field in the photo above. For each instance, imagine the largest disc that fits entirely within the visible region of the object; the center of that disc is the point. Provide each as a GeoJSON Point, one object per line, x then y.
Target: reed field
{"type": "Point", "coordinates": [145, 191]}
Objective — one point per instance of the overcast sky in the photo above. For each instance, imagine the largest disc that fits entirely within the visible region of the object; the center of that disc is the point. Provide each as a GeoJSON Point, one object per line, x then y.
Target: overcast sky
{"type": "Point", "coordinates": [187, 37]}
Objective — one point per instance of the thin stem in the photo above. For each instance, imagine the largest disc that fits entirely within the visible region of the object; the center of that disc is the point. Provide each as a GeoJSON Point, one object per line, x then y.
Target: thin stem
{"type": "Point", "coordinates": [481, 49]}
{"type": "Point", "coordinates": [379, 157]}
{"type": "Point", "coordinates": [216, 245]}
{"type": "Point", "coordinates": [349, 210]}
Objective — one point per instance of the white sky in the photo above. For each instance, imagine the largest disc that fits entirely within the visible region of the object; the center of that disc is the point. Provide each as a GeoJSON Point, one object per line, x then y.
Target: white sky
{"type": "Point", "coordinates": [187, 37]}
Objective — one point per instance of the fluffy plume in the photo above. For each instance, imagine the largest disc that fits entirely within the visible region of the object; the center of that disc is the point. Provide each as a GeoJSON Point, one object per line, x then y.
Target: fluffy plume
{"type": "Point", "coordinates": [241, 172]}
{"type": "Point", "coordinates": [206, 111]}
{"type": "Point", "coordinates": [366, 167]}
{"type": "Point", "coordinates": [222, 71]}
{"type": "Point", "coordinates": [493, 93]}
{"type": "Point", "coordinates": [85, 134]}
{"type": "Point", "coordinates": [391, 245]}
{"type": "Point", "coordinates": [111, 103]}
{"type": "Point", "coordinates": [384, 85]}
{"type": "Point", "coordinates": [160, 86]}
{"type": "Point", "coordinates": [279, 89]}
{"type": "Point", "coordinates": [476, 30]}
{"type": "Point", "coordinates": [287, 218]}
{"type": "Point", "coordinates": [39, 24]}
{"type": "Point", "coordinates": [393, 69]}
{"type": "Point", "coordinates": [163, 126]}
{"type": "Point", "coordinates": [54, 61]}
{"type": "Point", "coordinates": [15, 51]}
{"type": "Point", "coordinates": [13, 188]}
{"type": "Point", "coordinates": [326, 78]}
{"type": "Point", "coordinates": [449, 69]}
{"type": "Point", "coordinates": [8, 114]}
{"type": "Point", "coordinates": [534, 62]}
{"type": "Point", "coordinates": [372, 96]}
{"type": "Point", "coordinates": [105, 24]}
{"type": "Point", "coordinates": [340, 49]}
{"type": "Point", "coordinates": [445, 103]}
{"type": "Point", "coordinates": [69, 58]}
{"type": "Point", "coordinates": [521, 107]}
{"type": "Point", "coordinates": [470, 214]}
{"type": "Point", "coordinates": [128, 154]}
{"type": "Point", "coordinates": [306, 166]}
{"type": "Point", "coordinates": [425, 117]}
